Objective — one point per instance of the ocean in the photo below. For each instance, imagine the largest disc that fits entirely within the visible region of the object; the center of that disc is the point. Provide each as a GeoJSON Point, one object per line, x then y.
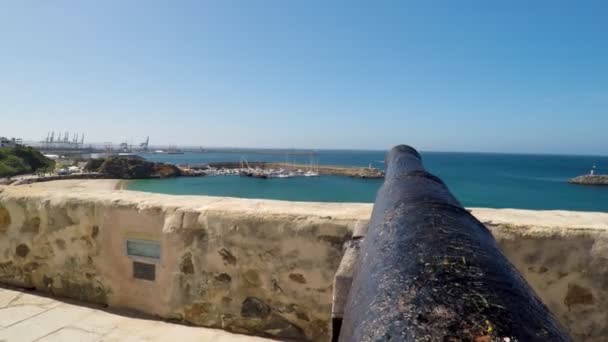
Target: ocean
{"type": "Point", "coordinates": [490, 180]}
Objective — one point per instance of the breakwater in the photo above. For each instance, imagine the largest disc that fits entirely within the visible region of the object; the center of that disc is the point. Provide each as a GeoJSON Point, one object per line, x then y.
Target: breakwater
{"type": "Point", "coordinates": [590, 180]}
{"type": "Point", "coordinates": [348, 171]}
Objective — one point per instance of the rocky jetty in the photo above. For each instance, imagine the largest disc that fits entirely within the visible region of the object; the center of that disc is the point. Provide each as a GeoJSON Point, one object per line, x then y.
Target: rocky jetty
{"type": "Point", "coordinates": [590, 180]}
{"type": "Point", "coordinates": [132, 167]}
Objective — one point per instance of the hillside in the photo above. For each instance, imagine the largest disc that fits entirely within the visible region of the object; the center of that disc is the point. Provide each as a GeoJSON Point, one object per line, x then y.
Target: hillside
{"type": "Point", "coordinates": [21, 160]}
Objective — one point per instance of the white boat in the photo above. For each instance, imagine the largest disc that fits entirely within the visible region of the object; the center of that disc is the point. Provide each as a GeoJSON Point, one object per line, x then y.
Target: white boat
{"type": "Point", "coordinates": [280, 173]}
{"type": "Point", "coordinates": [311, 174]}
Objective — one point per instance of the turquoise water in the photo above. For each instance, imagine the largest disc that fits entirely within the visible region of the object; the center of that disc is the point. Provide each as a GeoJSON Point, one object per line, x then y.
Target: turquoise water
{"type": "Point", "coordinates": [477, 179]}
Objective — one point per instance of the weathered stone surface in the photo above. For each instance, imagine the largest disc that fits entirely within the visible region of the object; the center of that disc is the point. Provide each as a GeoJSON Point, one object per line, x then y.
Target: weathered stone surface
{"type": "Point", "coordinates": [60, 244]}
{"type": "Point", "coordinates": [94, 231]}
{"type": "Point", "coordinates": [22, 250]}
{"type": "Point", "coordinates": [197, 311]}
{"type": "Point", "coordinates": [254, 308]}
{"type": "Point", "coordinates": [278, 326]}
{"type": "Point", "coordinates": [228, 258]}
{"type": "Point", "coordinates": [578, 295]}
{"type": "Point", "coordinates": [84, 291]}
{"type": "Point", "coordinates": [223, 278]}
{"type": "Point", "coordinates": [569, 264]}
{"type": "Point", "coordinates": [186, 266]}
{"type": "Point", "coordinates": [302, 316]}
{"type": "Point", "coordinates": [252, 278]}
{"type": "Point", "coordinates": [47, 281]}
{"type": "Point", "coordinates": [297, 277]}
{"type": "Point", "coordinates": [31, 225]}
{"type": "Point", "coordinates": [344, 277]}
{"type": "Point", "coordinates": [5, 219]}
{"type": "Point", "coordinates": [215, 253]}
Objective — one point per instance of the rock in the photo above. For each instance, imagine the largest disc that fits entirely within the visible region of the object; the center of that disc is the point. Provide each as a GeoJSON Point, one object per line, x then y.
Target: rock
{"type": "Point", "coordinates": [302, 316]}
{"type": "Point", "coordinates": [60, 244]}
{"type": "Point", "coordinates": [252, 278]}
{"type": "Point", "coordinates": [297, 277]}
{"type": "Point", "coordinates": [278, 326]}
{"type": "Point", "coordinates": [77, 289]}
{"type": "Point", "coordinates": [5, 219]}
{"type": "Point", "coordinates": [22, 250]}
{"type": "Point", "coordinates": [132, 167]}
{"type": "Point", "coordinates": [31, 225]}
{"type": "Point", "coordinates": [47, 281]}
{"type": "Point", "coordinates": [186, 266]}
{"type": "Point", "coordinates": [197, 312]}
{"type": "Point", "coordinates": [227, 256]}
{"type": "Point", "coordinates": [578, 295]}
{"type": "Point", "coordinates": [94, 231]}
{"type": "Point", "coordinates": [590, 180]}
{"type": "Point", "coordinates": [254, 308]}
{"type": "Point", "coordinates": [223, 278]}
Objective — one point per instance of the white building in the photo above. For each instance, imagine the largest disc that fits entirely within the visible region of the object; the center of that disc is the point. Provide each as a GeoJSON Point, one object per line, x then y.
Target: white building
{"type": "Point", "coordinates": [6, 142]}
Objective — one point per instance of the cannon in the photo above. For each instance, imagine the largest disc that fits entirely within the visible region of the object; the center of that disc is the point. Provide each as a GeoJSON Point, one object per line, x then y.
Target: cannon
{"type": "Point", "coordinates": [430, 271]}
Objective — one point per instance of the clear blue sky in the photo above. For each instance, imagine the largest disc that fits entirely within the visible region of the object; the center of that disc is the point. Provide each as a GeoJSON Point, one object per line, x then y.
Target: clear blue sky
{"type": "Point", "coordinates": [520, 76]}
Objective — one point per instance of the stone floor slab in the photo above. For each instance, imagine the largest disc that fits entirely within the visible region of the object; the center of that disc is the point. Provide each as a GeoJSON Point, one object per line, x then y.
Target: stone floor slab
{"type": "Point", "coordinates": [7, 296]}
{"type": "Point", "coordinates": [43, 324]}
{"type": "Point", "coordinates": [28, 317]}
{"type": "Point", "coordinates": [69, 334]}
{"type": "Point", "coordinates": [15, 314]}
{"type": "Point", "coordinates": [31, 299]}
{"type": "Point", "coordinates": [99, 322]}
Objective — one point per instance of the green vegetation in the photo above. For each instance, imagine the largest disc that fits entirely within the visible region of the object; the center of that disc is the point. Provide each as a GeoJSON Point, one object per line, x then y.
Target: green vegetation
{"type": "Point", "coordinates": [22, 159]}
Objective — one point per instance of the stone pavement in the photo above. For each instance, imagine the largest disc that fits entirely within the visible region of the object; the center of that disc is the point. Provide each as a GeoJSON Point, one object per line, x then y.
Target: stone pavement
{"type": "Point", "coordinates": [26, 316]}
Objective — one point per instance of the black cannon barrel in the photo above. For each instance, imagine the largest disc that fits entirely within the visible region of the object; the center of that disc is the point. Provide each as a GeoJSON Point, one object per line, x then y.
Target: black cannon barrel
{"type": "Point", "coordinates": [430, 271]}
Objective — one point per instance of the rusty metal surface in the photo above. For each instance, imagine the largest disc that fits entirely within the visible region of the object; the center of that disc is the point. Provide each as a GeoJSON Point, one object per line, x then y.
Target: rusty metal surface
{"type": "Point", "coordinates": [430, 271]}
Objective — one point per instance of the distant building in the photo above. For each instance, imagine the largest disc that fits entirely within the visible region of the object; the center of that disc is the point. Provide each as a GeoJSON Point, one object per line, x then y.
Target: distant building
{"type": "Point", "coordinates": [6, 142]}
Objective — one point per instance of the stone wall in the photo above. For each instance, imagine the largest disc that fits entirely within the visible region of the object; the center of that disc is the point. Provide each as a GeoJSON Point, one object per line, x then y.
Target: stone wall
{"type": "Point", "coordinates": [564, 257]}
{"type": "Point", "coordinates": [258, 266]}
{"type": "Point", "coordinates": [248, 266]}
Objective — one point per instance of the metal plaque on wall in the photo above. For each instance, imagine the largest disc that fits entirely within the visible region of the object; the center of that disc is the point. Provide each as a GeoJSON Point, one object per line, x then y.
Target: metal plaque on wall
{"type": "Point", "coordinates": [143, 249]}
{"type": "Point", "coordinates": [144, 271]}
